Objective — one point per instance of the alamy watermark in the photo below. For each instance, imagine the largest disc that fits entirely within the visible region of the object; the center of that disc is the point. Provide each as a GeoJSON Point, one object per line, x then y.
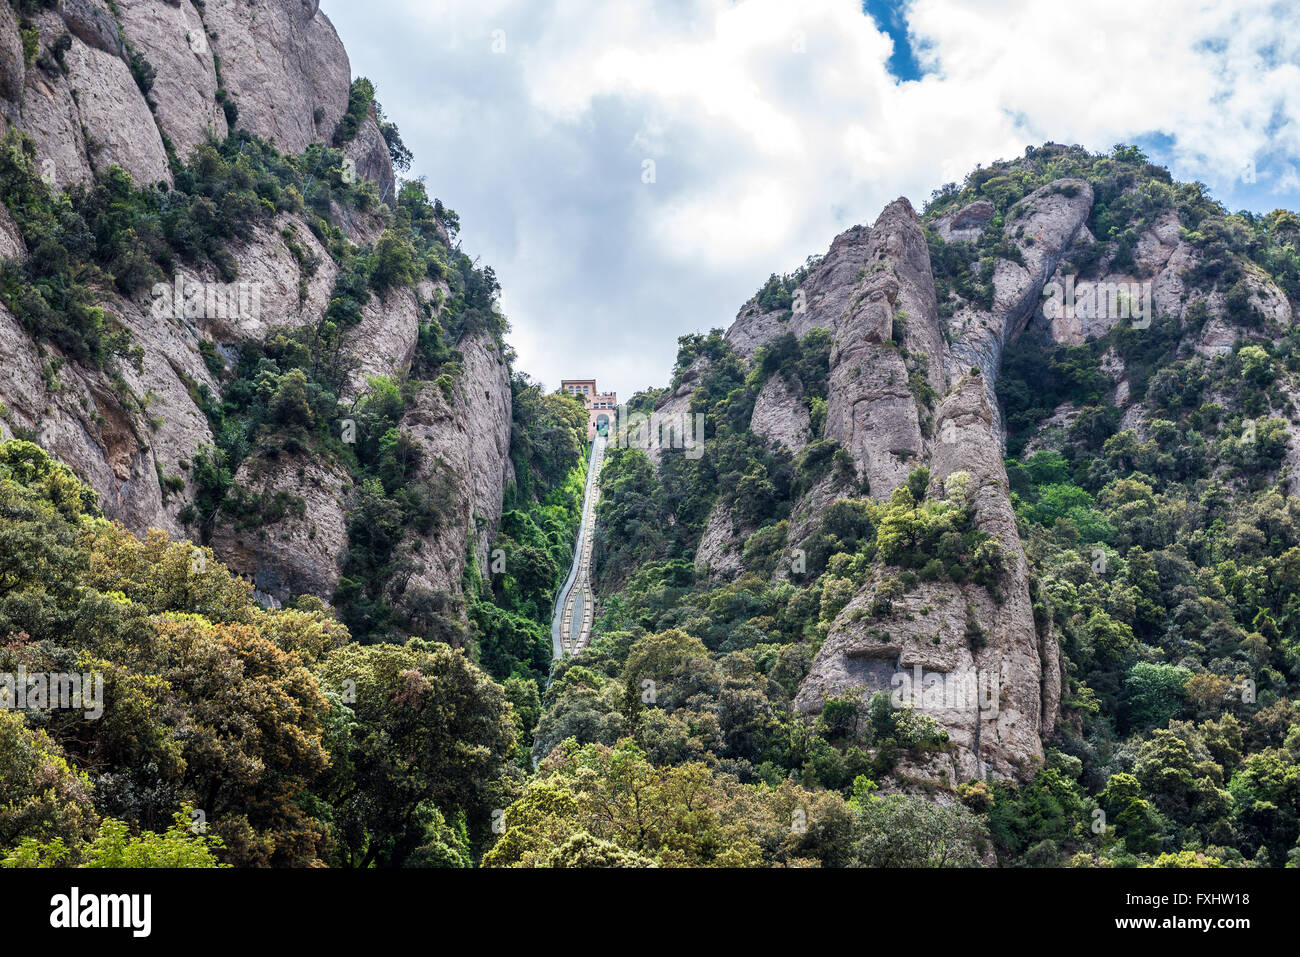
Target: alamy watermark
{"type": "Point", "coordinates": [1099, 300]}
{"type": "Point", "coordinates": [945, 691]}
{"type": "Point", "coordinates": [191, 299]}
{"type": "Point", "coordinates": [659, 431]}
{"type": "Point", "coordinates": [52, 691]}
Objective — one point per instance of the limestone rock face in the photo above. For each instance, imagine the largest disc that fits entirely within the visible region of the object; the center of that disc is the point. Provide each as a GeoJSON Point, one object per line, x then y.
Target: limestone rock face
{"type": "Point", "coordinates": [281, 61]}
{"type": "Point", "coordinates": [807, 513]}
{"type": "Point", "coordinates": [79, 415]}
{"type": "Point", "coordinates": [12, 245]}
{"type": "Point", "coordinates": [966, 223]}
{"type": "Point", "coordinates": [679, 401]}
{"type": "Point", "coordinates": [873, 409]}
{"type": "Point", "coordinates": [487, 411]}
{"type": "Point", "coordinates": [370, 153]}
{"type": "Point", "coordinates": [88, 113]}
{"type": "Point", "coordinates": [172, 37]}
{"type": "Point", "coordinates": [780, 415]}
{"type": "Point", "coordinates": [121, 127]}
{"type": "Point", "coordinates": [126, 453]}
{"type": "Point", "coordinates": [385, 340]}
{"type": "Point", "coordinates": [73, 416]}
{"type": "Point", "coordinates": [135, 434]}
{"type": "Point", "coordinates": [288, 293]}
{"type": "Point", "coordinates": [899, 399]}
{"type": "Point", "coordinates": [999, 694]}
{"type": "Point", "coordinates": [91, 22]}
{"type": "Point", "coordinates": [1041, 226]}
{"type": "Point", "coordinates": [301, 553]}
{"type": "Point", "coordinates": [719, 551]}
{"type": "Point", "coordinates": [12, 68]}
{"type": "Point", "coordinates": [1163, 260]}
{"type": "Point", "coordinates": [825, 294]}
{"type": "Point", "coordinates": [281, 65]}
{"type": "Point", "coordinates": [465, 437]}
{"type": "Point", "coordinates": [1223, 330]}
{"type": "Point", "coordinates": [47, 112]}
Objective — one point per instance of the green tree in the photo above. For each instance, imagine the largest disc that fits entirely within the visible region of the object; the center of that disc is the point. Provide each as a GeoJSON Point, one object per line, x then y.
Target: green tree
{"type": "Point", "coordinates": [901, 831]}
{"type": "Point", "coordinates": [423, 725]}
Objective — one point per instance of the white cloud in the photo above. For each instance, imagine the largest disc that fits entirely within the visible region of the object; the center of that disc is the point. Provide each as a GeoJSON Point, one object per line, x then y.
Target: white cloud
{"type": "Point", "coordinates": [774, 125]}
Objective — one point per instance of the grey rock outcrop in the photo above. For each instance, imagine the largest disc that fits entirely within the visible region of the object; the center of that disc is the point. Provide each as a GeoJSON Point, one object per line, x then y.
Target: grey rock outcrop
{"type": "Point", "coordinates": [13, 70]}
{"type": "Point", "coordinates": [91, 23]}
{"type": "Point", "coordinates": [900, 397]}
{"type": "Point", "coordinates": [279, 63]}
{"type": "Point", "coordinates": [678, 401]}
{"type": "Point", "coordinates": [369, 152]}
{"type": "Point", "coordinates": [819, 301]}
{"type": "Point", "coordinates": [173, 38]}
{"type": "Point", "coordinates": [465, 438]}
{"type": "Point", "coordinates": [282, 62]}
{"type": "Point", "coordinates": [873, 408]}
{"type": "Point", "coordinates": [1042, 226]}
{"type": "Point", "coordinates": [780, 415]}
{"type": "Point", "coordinates": [300, 554]}
{"type": "Point", "coordinates": [1002, 692]}
{"type": "Point", "coordinates": [135, 434]}
{"type": "Point", "coordinates": [12, 245]}
{"type": "Point", "coordinates": [966, 223]}
{"type": "Point", "coordinates": [719, 551]}
{"type": "Point", "coordinates": [82, 107]}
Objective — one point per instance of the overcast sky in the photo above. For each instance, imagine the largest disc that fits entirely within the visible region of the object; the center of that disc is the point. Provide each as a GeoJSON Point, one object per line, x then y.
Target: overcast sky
{"type": "Point", "coordinates": [634, 170]}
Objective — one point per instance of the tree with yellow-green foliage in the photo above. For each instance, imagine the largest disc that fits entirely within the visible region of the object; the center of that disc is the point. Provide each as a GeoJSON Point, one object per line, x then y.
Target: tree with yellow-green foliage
{"type": "Point", "coordinates": [611, 803]}
{"type": "Point", "coordinates": [116, 846]}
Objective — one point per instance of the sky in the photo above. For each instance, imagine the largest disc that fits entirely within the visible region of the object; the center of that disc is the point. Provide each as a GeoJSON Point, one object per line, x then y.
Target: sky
{"type": "Point", "coordinates": [634, 170]}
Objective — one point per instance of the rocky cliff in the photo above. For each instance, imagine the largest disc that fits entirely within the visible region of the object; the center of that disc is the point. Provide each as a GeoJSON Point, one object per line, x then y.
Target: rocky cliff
{"type": "Point", "coordinates": [918, 348]}
{"type": "Point", "coordinates": [897, 401]}
{"type": "Point", "coordinates": [139, 84]}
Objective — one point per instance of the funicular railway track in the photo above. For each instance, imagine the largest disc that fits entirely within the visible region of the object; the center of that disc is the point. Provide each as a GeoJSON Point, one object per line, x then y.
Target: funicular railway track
{"type": "Point", "coordinates": [575, 605]}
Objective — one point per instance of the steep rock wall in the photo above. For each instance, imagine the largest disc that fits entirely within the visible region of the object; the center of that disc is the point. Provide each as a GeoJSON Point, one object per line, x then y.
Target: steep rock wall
{"type": "Point", "coordinates": [874, 409]}
{"type": "Point", "coordinates": [281, 64]}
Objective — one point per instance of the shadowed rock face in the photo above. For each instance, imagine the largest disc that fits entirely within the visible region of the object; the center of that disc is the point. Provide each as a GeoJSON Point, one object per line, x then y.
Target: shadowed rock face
{"type": "Point", "coordinates": [1042, 226]}
{"type": "Point", "coordinates": [284, 67]}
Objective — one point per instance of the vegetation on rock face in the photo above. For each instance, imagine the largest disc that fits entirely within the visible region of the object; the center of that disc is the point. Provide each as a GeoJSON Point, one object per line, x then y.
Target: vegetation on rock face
{"type": "Point", "coordinates": [272, 758]}
{"type": "Point", "coordinates": [1163, 562]}
{"type": "Point", "coordinates": [360, 98]}
{"type": "Point", "coordinates": [511, 603]}
{"type": "Point", "coordinates": [1163, 544]}
{"type": "Point", "coordinates": [1161, 548]}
